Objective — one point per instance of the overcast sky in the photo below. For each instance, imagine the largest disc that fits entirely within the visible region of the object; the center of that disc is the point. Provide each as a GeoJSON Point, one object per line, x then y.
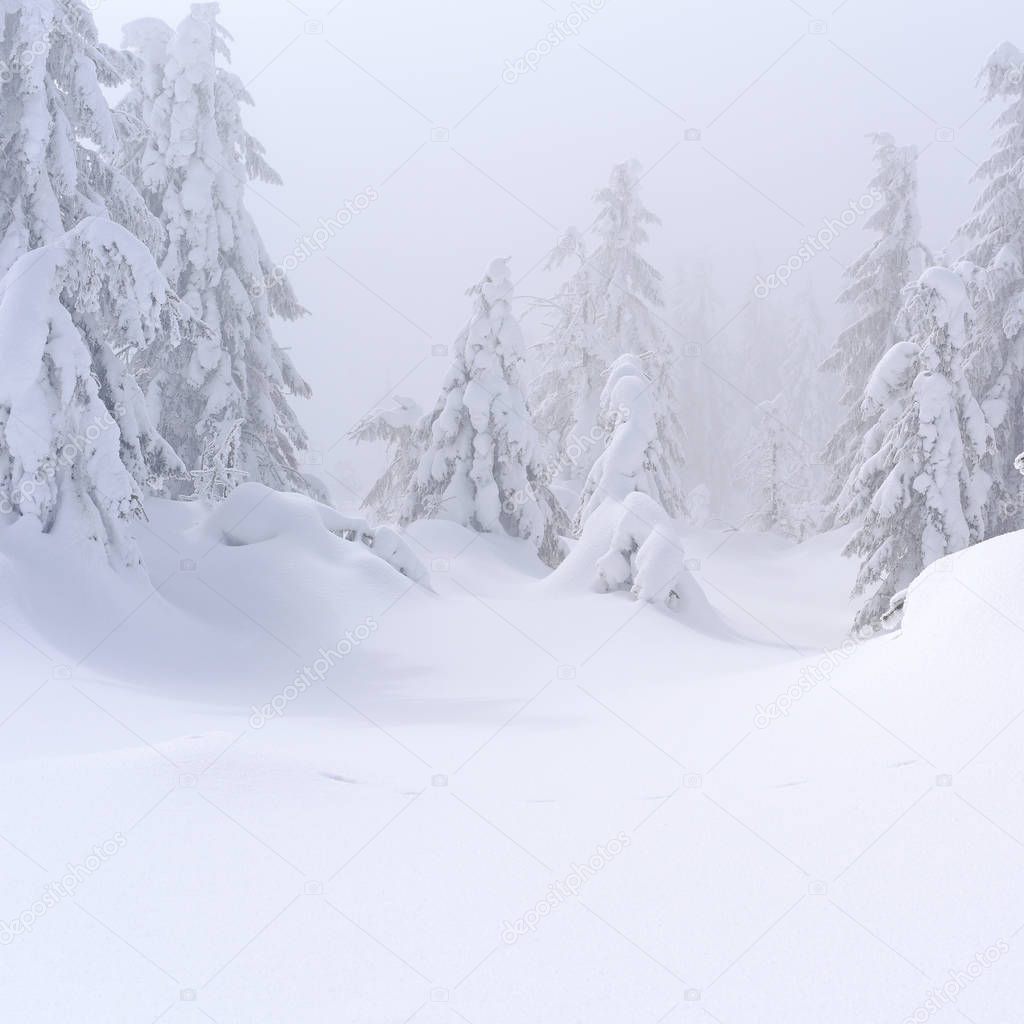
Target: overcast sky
{"type": "Point", "coordinates": [748, 115]}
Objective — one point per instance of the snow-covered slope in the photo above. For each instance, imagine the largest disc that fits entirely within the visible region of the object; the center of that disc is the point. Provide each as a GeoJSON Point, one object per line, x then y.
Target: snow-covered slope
{"type": "Point", "coordinates": [505, 799]}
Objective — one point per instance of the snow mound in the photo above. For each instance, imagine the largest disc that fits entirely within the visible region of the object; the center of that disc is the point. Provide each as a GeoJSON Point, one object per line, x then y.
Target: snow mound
{"type": "Point", "coordinates": [255, 514]}
{"type": "Point", "coordinates": [234, 598]}
{"type": "Point", "coordinates": [974, 593]}
{"type": "Point", "coordinates": [948, 683]}
{"type": "Point", "coordinates": [634, 546]}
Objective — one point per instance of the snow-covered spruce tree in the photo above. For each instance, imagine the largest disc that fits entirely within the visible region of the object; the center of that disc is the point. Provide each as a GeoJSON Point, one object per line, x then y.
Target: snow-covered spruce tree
{"type": "Point", "coordinates": [607, 309]}
{"type": "Point", "coordinates": [193, 171]}
{"type": "Point", "coordinates": [995, 264]}
{"type": "Point", "coordinates": [874, 295]}
{"type": "Point", "coordinates": [77, 444]}
{"type": "Point", "coordinates": [57, 138]}
{"type": "Point", "coordinates": [776, 469]}
{"type": "Point", "coordinates": [482, 464]}
{"type": "Point", "coordinates": [405, 431]}
{"type": "Point", "coordinates": [886, 397]}
{"type": "Point", "coordinates": [633, 460]}
{"type": "Point", "coordinates": [566, 392]}
{"type": "Point", "coordinates": [925, 487]}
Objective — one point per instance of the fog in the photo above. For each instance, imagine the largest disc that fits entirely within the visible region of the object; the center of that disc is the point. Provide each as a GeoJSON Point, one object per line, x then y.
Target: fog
{"type": "Point", "coordinates": [477, 139]}
{"type": "Point", "coordinates": [657, 658]}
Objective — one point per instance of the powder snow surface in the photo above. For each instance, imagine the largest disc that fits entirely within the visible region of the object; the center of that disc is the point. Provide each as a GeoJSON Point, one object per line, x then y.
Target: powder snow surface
{"type": "Point", "coordinates": [504, 799]}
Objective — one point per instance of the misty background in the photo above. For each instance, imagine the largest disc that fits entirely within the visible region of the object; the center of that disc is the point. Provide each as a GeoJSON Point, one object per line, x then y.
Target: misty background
{"type": "Point", "coordinates": [749, 119]}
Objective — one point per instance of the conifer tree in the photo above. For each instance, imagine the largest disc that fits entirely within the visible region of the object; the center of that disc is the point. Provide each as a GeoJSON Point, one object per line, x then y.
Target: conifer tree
{"type": "Point", "coordinates": [77, 443]}
{"type": "Point", "coordinates": [875, 296]}
{"type": "Point", "coordinates": [923, 482]}
{"type": "Point", "coordinates": [404, 430]}
{"type": "Point", "coordinates": [482, 465]}
{"type": "Point", "coordinates": [995, 265]}
{"type": "Point", "coordinates": [777, 473]}
{"type": "Point", "coordinates": [567, 391]}
{"type": "Point", "coordinates": [608, 308]}
{"type": "Point", "coordinates": [193, 169]}
{"type": "Point", "coordinates": [58, 144]}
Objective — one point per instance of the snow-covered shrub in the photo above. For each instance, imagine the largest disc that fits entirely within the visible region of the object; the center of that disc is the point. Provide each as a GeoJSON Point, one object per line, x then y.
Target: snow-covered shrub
{"type": "Point", "coordinates": [646, 556]}
{"type": "Point", "coordinates": [388, 544]}
{"type": "Point", "coordinates": [633, 459]}
{"type": "Point", "coordinates": [195, 162]}
{"type": "Point", "coordinates": [923, 482]}
{"type": "Point", "coordinates": [481, 465]}
{"type": "Point", "coordinates": [77, 444]}
{"type": "Point", "coordinates": [255, 514]}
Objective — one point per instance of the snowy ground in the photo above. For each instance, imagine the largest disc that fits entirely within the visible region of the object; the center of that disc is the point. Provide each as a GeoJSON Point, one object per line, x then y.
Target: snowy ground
{"type": "Point", "coordinates": [510, 800]}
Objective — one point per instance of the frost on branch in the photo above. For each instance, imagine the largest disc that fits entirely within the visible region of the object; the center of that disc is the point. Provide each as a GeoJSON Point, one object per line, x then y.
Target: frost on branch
{"type": "Point", "coordinates": [77, 444]}
{"type": "Point", "coordinates": [217, 474]}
